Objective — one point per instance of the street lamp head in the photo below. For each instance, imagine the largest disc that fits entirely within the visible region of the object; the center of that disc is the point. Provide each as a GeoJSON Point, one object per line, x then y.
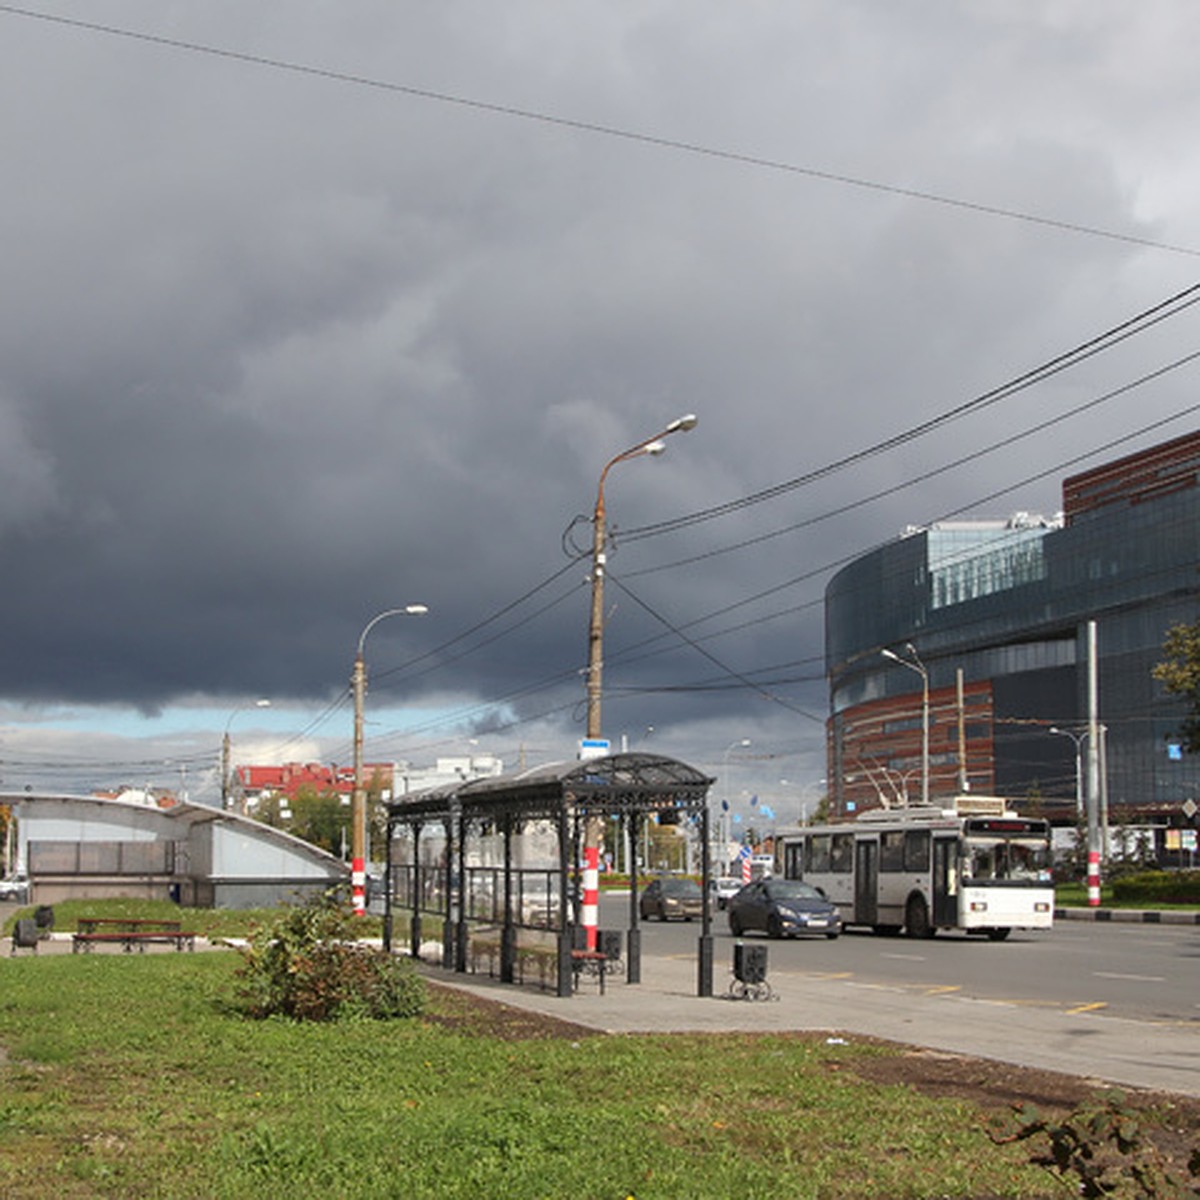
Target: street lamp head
{"type": "Point", "coordinates": [416, 610]}
{"type": "Point", "coordinates": [654, 448]}
{"type": "Point", "coordinates": [891, 654]}
{"type": "Point", "coordinates": [683, 424]}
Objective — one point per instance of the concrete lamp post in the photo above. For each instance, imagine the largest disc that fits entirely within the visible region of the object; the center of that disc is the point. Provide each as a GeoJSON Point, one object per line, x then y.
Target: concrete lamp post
{"type": "Point", "coordinates": [227, 747]}
{"type": "Point", "coordinates": [358, 810]}
{"type": "Point", "coordinates": [592, 832]}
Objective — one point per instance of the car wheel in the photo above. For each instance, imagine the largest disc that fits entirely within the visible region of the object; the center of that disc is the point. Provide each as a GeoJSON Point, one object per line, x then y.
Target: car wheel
{"type": "Point", "coordinates": [774, 927]}
{"type": "Point", "coordinates": [735, 925]}
{"type": "Point", "coordinates": [998, 935]}
{"type": "Point", "coordinates": [831, 936]}
{"type": "Point", "coordinates": [916, 919]}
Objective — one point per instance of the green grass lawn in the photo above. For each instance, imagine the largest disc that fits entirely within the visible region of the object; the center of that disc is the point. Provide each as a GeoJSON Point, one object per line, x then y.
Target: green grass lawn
{"type": "Point", "coordinates": [1075, 895]}
{"type": "Point", "coordinates": [131, 1076]}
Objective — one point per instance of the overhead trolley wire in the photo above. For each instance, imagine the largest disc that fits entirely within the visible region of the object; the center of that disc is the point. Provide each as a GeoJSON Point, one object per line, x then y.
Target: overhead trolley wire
{"type": "Point", "coordinates": [1139, 323]}
{"type": "Point", "coordinates": [933, 473]}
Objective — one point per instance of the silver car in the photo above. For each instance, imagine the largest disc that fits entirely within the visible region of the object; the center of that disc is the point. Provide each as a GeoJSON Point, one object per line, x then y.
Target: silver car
{"type": "Point", "coordinates": [15, 888]}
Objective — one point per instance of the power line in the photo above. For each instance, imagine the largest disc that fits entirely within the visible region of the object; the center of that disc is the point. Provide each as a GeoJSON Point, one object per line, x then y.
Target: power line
{"type": "Point", "coordinates": [933, 473]}
{"type": "Point", "coordinates": [1139, 323]}
{"type": "Point", "coordinates": [736, 157]}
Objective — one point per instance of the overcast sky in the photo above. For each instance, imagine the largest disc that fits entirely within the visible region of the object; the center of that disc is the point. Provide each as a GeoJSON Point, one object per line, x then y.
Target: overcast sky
{"type": "Point", "coordinates": [313, 310]}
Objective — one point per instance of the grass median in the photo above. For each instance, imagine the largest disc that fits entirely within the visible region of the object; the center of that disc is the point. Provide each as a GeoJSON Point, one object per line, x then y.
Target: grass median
{"type": "Point", "coordinates": [131, 1076]}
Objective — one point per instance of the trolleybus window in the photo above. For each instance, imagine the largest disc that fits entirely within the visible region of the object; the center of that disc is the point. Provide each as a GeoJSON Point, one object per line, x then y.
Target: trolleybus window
{"type": "Point", "coordinates": [1017, 860]}
{"type": "Point", "coordinates": [818, 852]}
{"type": "Point", "coordinates": [916, 850]}
{"type": "Point", "coordinates": [841, 855]}
{"type": "Point", "coordinates": [891, 850]}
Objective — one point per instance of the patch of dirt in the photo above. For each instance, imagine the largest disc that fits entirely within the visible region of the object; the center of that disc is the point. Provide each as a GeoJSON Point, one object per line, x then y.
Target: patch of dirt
{"type": "Point", "coordinates": [1169, 1123]}
{"type": "Point", "coordinates": [464, 1012]}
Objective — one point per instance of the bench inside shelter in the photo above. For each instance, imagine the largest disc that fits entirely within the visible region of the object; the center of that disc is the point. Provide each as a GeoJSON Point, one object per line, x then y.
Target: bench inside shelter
{"type": "Point", "coordinates": [604, 960]}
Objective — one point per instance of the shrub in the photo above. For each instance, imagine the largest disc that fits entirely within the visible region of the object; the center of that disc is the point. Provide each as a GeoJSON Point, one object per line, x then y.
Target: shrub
{"type": "Point", "coordinates": [1100, 1150]}
{"type": "Point", "coordinates": [306, 964]}
{"type": "Point", "coordinates": [1163, 887]}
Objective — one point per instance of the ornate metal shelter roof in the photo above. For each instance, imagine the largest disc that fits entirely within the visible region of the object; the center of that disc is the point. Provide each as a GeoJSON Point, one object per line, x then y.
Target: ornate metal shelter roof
{"type": "Point", "coordinates": [614, 784]}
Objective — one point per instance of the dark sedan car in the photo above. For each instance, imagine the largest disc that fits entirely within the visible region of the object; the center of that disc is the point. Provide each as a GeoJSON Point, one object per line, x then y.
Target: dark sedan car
{"type": "Point", "coordinates": [671, 898]}
{"type": "Point", "coordinates": [781, 908]}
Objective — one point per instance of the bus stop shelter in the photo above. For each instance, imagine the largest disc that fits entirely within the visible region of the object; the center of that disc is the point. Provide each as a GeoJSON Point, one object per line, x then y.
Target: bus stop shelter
{"type": "Point", "coordinates": [431, 872]}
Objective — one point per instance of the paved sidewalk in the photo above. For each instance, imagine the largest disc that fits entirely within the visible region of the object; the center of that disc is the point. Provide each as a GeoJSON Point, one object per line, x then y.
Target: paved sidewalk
{"type": "Point", "coordinates": [1107, 1049]}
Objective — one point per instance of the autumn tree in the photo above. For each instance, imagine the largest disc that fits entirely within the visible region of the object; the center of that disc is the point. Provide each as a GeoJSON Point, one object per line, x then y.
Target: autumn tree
{"type": "Point", "coordinates": [1179, 673]}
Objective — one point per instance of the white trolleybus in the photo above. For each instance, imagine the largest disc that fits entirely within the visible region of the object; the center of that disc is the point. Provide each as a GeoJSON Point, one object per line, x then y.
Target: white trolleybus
{"type": "Point", "coordinates": [975, 866]}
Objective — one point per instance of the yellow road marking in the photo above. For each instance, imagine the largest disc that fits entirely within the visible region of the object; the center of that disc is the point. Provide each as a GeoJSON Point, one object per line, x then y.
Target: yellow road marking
{"type": "Point", "coordinates": [942, 989]}
{"type": "Point", "coordinates": [1082, 1008]}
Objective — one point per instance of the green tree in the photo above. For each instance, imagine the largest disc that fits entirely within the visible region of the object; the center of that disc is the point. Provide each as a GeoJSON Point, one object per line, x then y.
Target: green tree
{"type": "Point", "coordinates": [320, 817]}
{"type": "Point", "coordinates": [1179, 673]}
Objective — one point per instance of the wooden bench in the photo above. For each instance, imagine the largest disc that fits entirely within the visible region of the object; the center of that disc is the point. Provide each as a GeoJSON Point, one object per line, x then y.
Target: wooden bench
{"type": "Point", "coordinates": [589, 962]}
{"type": "Point", "coordinates": [128, 932]}
{"type": "Point", "coordinates": [181, 939]}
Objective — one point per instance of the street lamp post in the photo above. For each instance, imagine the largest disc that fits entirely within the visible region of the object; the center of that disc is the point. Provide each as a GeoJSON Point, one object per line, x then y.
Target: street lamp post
{"type": "Point", "coordinates": [593, 827]}
{"type": "Point", "coordinates": [358, 810]}
{"type": "Point", "coordinates": [227, 747]}
{"type": "Point", "coordinates": [914, 663]}
{"type": "Point", "coordinates": [650, 445]}
{"type": "Point", "coordinates": [1078, 738]}
{"type": "Point", "coordinates": [727, 804]}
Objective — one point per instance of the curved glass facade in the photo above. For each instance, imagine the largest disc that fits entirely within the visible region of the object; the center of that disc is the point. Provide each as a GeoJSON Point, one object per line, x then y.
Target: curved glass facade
{"type": "Point", "coordinates": [1007, 604]}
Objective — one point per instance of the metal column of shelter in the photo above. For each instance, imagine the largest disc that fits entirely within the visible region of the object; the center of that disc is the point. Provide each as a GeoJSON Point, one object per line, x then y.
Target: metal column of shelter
{"type": "Point", "coordinates": [632, 787]}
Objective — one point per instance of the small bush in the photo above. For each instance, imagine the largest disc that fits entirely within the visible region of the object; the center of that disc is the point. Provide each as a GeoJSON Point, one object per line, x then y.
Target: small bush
{"type": "Point", "coordinates": [1100, 1150]}
{"type": "Point", "coordinates": [307, 965]}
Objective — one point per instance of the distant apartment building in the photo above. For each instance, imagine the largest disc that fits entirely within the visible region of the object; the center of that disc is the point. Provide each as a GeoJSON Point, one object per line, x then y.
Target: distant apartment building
{"type": "Point", "coordinates": [257, 783]}
{"type": "Point", "coordinates": [997, 613]}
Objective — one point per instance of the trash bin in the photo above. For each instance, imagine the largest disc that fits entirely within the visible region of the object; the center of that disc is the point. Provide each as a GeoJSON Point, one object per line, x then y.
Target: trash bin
{"type": "Point", "coordinates": [25, 935]}
{"type": "Point", "coordinates": [608, 942]}
{"type": "Point", "coordinates": [749, 963]}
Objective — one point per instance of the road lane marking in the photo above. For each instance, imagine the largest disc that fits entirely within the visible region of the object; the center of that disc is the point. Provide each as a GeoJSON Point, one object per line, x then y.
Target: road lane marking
{"type": "Point", "coordinates": [906, 957]}
{"type": "Point", "coordinates": [942, 989]}
{"type": "Point", "coordinates": [1137, 978]}
{"type": "Point", "coordinates": [1082, 1008]}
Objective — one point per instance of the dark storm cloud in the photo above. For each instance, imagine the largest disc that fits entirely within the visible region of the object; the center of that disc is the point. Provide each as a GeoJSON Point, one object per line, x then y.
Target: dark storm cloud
{"type": "Point", "coordinates": [278, 352]}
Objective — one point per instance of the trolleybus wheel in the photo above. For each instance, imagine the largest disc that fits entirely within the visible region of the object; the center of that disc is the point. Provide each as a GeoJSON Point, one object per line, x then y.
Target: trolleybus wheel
{"type": "Point", "coordinates": [916, 919]}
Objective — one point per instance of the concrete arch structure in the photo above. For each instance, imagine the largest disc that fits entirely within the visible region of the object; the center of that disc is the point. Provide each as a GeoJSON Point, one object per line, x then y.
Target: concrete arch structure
{"type": "Point", "coordinates": [81, 846]}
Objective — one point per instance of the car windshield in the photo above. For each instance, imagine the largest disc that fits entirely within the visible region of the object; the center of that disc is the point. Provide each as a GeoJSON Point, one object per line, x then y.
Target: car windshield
{"type": "Point", "coordinates": [792, 889]}
{"type": "Point", "coordinates": [680, 888]}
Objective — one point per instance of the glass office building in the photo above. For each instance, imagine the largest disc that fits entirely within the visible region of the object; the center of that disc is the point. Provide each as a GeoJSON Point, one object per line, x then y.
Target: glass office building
{"type": "Point", "coordinates": [993, 616]}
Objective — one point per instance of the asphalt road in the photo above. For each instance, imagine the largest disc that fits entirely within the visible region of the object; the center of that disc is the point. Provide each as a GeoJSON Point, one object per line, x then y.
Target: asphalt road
{"type": "Point", "coordinates": [1137, 972]}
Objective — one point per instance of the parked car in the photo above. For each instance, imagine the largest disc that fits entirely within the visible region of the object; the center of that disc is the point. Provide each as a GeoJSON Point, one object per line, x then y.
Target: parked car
{"type": "Point", "coordinates": [16, 888]}
{"type": "Point", "coordinates": [671, 897]}
{"type": "Point", "coordinates": [781, 908]}
{"type": "Point", "coordinates": [725, 888]}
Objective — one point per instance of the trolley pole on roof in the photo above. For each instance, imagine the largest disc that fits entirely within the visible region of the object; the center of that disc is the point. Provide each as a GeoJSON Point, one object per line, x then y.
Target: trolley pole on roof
{"type": "Point", "coordinates": [914, 663]}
